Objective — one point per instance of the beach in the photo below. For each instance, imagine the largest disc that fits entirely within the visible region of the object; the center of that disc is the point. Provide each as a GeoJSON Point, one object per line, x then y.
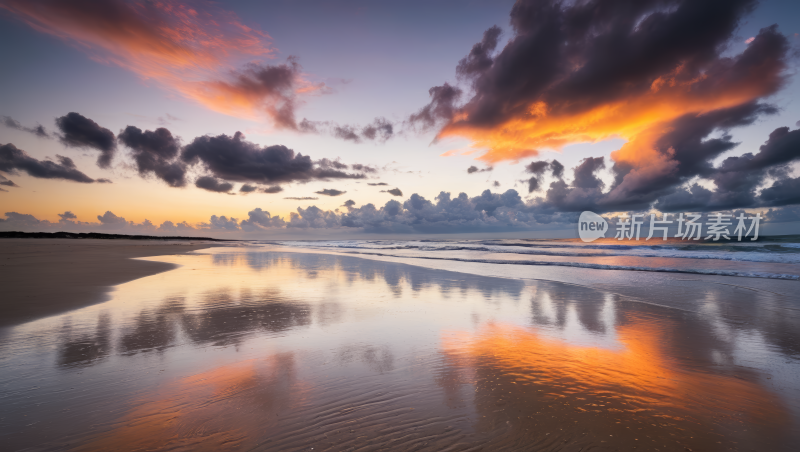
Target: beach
{"type": "Point", "coordinates": [301, 345]}
{"type": "Point", "coordinates": [43, 277]}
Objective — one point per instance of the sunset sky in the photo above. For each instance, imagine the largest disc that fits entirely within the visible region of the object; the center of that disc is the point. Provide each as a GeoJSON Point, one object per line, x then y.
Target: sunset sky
{"type": "Point", "coordinates": [349, 117]}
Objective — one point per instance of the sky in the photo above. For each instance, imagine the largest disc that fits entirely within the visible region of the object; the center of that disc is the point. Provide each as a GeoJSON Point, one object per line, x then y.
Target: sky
{"type": "Point", "coordinates": [355, 118]}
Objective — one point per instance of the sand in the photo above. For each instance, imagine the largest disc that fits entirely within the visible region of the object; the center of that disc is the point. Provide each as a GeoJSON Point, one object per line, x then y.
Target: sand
{"type": "Point", "coordinates": [44, 277]}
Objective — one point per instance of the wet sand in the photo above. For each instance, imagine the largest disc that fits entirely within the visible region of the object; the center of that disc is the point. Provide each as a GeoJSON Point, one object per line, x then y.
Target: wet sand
{"type": "Point", "coordinates": [256, 349]}
{"type": "Point", "coordinates": [43, 277]}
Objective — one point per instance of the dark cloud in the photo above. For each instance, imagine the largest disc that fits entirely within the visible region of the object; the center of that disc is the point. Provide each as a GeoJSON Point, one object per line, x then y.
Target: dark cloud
{"type": "Point", "coordinates": [474, 169]}
{"type": "Point", "coordinates": [789, 213]}
{"type": "Point", "coordinates": [495, 184]}
{"type": "Point", "coordinates": [247, 188]}
{"type": "Point", "coordinates": [538, 169]}
{"type": "Point", "coordinates": [272, 190]}
{"type": "Point", "coordinates": [363, 168]}
{"type": "Point", "coordinates": [221, 223]}
{"type": "Point", "coordinates": [393, 191]}
{"type": "Point", "coordinates": [377, 184]}
{"type": "Point", "coordinates": [327, 163]}
{"type": "Point", "coordinates": [346, 133]}
{"type": "Point", "coordinates": [211, 183]}
{"type": "Point", "coordinates": [578, 56]}
{"type": "Point", "coordinates": [79, 131]}
{"type": "Point", "coordinates": [313, 217]}
{"type": "Point", "coordinates": [13, 160]}
{"type": "Point", "coordinates": [7, 182]}
{"type": "Point", "coordinates": [156, 153]}
{"type": "Point", "coordinates": [259, 220]}
{"type": "Point", "coordinates": [487, 212]}
{"type": "Point", "coordinates": [103, 180]}
{"type": "Point", "coordinates": [440, 109]}
{"type": "Point", "coordinates": [480, 57]}
{"type": "Point", "coordinates": [330, 192]}
{"type": "Point", "coordinates": [381, 130]}
{"type": "Point", "coordinates": [349, 204]}
{"type": "Point", "coordinates": [235, 159]}
{"type": "Point", "coordinates": [271, 87]}
{"type": "Point", "coordinates": [304, 198]}
{"type": "Point", "coordinates": [12, 123]}
{"type": "Point", "coordinates": [110, 220]}
{"type": "Point", "coordinates": [67, 216]}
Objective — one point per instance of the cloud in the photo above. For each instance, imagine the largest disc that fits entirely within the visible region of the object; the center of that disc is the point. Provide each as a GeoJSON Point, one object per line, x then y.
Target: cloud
{"type": "Point", "coordinates": [259, 220]}
{"type": "Point", "coordinates": [442, 107]}
{"type": "Point", "coordinates": [20, 221]}
{"type": "Point", "coordinates": [538, 169]}
{"type": "Point", "coordinates": [169, 227]}
{"type": "Point", "coordinates": [346, 133]}
{"type": "Point", "coordinates": [474, 169]}
{"type": "Point", "coordinates": [304, 198]}
{"type": "Point", "coordinates": [211, 183]}
{"type": "Point", "coordinates": [247, 188]}
{"type": "Point", "coordinates": [272, 190]}
{"type": "Point", "coordinates": [486, 212]}
{"type": "Point", "coordinates": [13, 160]}
{"type": "Point", "coordinates": [79, 131]}
{"type": "Point", "coordinates": [377, 184]}
{"type": "Point", "coordinates": [221, 223]}
{"type": "Point", "coordinates": [103, 180]}
{"type": "Point", "coordinates": [480, 57]}
{"type": "Point", "coordinates": [7, 182]}
{"type": "Point", "coordinates": [380, 129]}
{"type": "Point", "coordinates": [313, 217]}
{"type": "Point", "coordinates": [109, 218]}
{"type": "Point", "coordinates": [349, 204]}
{"type": "Point", "coordinates": [582, 72]}
{"type": "Point", "coordinates": [330, 192]}
{"type": "Point", "coordinates": [192, 49]}
{"type": "Point", "coordinates": [235, 159]}
{"type": "Point", "coordinates": [67, 216]}
{"type": "Point", "coordinates": [668, 178]}
{"type": "Point", "coordinates": [363, 168]}
{"type": "Point", "coordinates": [393, 191]}
{"type": "Point", "coordinates": [271, 89]}
{"type": "Point", "coordinates": [156, 153]}
{"type": "Point", "coordinates": [12, 123]}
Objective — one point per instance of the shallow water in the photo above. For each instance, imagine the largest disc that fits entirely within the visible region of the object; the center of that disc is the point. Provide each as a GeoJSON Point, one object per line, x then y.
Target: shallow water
{"type": "Point", "coordinates": [250, 348]}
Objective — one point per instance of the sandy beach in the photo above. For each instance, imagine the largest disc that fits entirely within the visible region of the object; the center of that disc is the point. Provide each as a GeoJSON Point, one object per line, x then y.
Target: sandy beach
{"type": "Point", "coordinates": [285, 348]}
{"type": "Point", "coordinates": [43, 277]}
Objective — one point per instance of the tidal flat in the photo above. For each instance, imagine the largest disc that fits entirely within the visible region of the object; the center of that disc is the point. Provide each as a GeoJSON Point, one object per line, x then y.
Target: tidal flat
{"type": "Point", "coordinates": [264, 348]}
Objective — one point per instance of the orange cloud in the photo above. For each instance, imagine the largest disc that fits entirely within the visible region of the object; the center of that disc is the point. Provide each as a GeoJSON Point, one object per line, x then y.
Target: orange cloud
{"type": "Point", "coordinates": [640, 117]}
{"type": "Point", "coordinates": [193, 49]}
{"type": "Point", "coordinates": [578, 73]}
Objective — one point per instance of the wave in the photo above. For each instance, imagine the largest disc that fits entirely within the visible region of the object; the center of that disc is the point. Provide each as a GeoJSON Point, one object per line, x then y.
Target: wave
{"type": "Point", "coordinates": [762, 254]}
{"type": "Point", "coordinates": [712, 272]}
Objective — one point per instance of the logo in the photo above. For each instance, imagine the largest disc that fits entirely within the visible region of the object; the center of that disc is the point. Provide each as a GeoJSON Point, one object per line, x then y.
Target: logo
{"type": "Point", "coordinates": [591, 226]}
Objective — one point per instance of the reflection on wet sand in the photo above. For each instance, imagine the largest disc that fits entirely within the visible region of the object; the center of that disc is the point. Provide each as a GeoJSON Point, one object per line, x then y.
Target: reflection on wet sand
{"type": "Point", "coordinates": [546, 392]}
{"type": "Point", "coordinates": [240, 350]}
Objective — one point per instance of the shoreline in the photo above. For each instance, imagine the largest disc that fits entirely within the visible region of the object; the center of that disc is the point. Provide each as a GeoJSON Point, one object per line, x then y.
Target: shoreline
{"type": "Point", "coordinates": [45, 278]}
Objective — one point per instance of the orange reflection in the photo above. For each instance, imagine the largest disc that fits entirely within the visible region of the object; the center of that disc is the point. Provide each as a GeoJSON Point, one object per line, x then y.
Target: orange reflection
{"type": "Point", "coordinates": [639, 376]}
{"type": "Point", "coordinates": [226, 408]}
